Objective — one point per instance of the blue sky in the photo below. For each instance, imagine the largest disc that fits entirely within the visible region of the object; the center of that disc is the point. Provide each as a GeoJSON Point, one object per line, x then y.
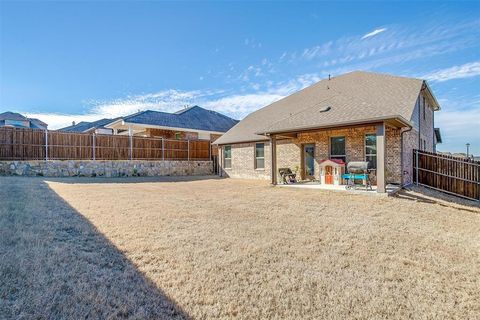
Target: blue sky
{"type": "Point", "coordinates": [65, 61]}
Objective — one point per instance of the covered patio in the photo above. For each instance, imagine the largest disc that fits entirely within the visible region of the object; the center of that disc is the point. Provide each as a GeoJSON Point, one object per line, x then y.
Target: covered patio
{"type": "Point", "coordinates": [324, 153]}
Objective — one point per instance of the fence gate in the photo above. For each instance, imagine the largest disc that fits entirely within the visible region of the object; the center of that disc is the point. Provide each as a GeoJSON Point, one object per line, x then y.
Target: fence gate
{"type": "Point", "coordinates": [457, 176]}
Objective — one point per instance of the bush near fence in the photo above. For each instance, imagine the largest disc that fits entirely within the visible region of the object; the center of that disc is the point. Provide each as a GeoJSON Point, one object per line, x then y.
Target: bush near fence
{"type": "Point", "coordinates": [457, 176]}
{"type": "Point", "coordinates": [34, 144]}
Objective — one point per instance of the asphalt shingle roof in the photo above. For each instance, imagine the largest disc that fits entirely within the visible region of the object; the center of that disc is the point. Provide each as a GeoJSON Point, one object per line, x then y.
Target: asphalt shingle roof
{"type": "Point", "coordinates": [33, 122]}
{"type": "Point", "coordinates": [191, 118]}
{"type": "Point", "coordinates": [353, 97]}
{"type": "Point", "coordinates": [12, 116]}
{"type": "Point", "coordinates": [84, 126]}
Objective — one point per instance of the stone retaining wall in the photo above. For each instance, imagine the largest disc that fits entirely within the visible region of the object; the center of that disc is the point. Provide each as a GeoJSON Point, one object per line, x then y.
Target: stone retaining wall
{"type": "Point", "coordinates": [117, 168]}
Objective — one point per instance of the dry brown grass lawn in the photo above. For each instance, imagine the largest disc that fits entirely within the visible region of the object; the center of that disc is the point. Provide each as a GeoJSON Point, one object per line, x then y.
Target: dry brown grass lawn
{"type": "Point", "coordinates": [232, 248]}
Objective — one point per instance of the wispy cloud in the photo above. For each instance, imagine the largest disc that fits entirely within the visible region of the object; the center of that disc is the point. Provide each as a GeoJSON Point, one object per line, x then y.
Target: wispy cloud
{"type": "Point", "coordinates": [393, 48]}
{"type": "Point", "coordinates": [252, 43]}
{"type": "Point", "coordinates": [373, 33]}
{"type": "Point", "coordinates": [466, 70]}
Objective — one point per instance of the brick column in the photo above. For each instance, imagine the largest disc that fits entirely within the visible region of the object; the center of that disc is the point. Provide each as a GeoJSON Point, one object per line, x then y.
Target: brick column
{"type": "Point", "coordinates": [381, 158]}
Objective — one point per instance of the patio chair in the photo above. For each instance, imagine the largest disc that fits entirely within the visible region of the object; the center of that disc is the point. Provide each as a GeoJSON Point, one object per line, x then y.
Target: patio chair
{"type": "Point", "coordinates": [287, 175]}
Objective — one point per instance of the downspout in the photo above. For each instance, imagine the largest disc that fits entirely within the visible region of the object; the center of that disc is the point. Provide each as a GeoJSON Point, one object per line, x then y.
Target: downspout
{"type": "Point", "coordinates": [419, 144]}
{"type": "Point", "coordinates": [434, 143]}
{"type": "Point", "coordinates": [421, 99]}
{"type": "Point", "coordinates": [401, 155]}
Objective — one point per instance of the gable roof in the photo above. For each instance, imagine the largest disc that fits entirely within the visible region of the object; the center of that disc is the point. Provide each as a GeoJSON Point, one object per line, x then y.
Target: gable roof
{"type": "Point", "coordinates": [37, 123]}
{"type": "Point", "coordinates": [12, 116]}
{"type": "Point", "coordinates": [84, 125]}
{"type": "Point", "coordinates": [195, 117]}
{"type": "Point", "coordinates": [355, 97]}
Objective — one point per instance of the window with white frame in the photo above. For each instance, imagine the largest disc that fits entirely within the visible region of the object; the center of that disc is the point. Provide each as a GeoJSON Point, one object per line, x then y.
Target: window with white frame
{"type": "Point", "coordinates": [227, 157]}
{"type": "Point", "coordinates": [337, 148]}
{"type": "Point", "coordinates": [259, 155]}
{"type": "Point", "coordinates": [371, 150]}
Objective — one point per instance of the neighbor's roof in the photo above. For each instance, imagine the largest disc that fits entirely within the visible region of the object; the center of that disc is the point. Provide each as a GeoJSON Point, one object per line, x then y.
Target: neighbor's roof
{"type": "Point", "coordinates": [34, 123]}
{"type": "Point", "coordinates": [84, 126]}
{"type": "Point", "coordinates": [194, 117]}
{"type": "Point", "coordinates": [354, 97]}
{"type": "Point", "coordinates": [12, 116]}
{"type": "Point", "coordinates": [37, 123]}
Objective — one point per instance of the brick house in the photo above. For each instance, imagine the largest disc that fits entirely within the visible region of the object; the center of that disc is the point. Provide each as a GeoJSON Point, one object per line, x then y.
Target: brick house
{"type": "Point", "coordinates": [358, 116]}
{"type": "Point", "coordinates": [190, 123]}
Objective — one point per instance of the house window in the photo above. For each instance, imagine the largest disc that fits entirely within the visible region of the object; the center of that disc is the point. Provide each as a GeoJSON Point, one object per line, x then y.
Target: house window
{"type": "Point", "coordinates": [260, 156]}
{"type": "Point", "coordinates": [178, 135]}
{"type": "Point", "coordinates": [227, 157]}
{"type": "Point", "coordinates": [371, 150]}
{"type": "Point", "coordinates": [337, 148]}
{"type": "Point", "coordinates": [424, 106]}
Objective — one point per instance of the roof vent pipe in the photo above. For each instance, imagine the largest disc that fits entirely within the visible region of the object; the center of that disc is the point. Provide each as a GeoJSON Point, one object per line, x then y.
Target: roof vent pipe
{"type": "Point", "coordinates": [325, 109]}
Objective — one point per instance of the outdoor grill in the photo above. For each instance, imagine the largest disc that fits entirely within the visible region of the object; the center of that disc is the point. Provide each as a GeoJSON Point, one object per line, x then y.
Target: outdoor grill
{"type": "Point", "coordinates": [358, 171]}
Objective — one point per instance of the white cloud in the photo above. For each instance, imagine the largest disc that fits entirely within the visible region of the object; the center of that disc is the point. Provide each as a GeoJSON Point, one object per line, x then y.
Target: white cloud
{"type": "Point", "coordinates": [373, 33]}
{"type": "Point", "coordinates": [456, 72]}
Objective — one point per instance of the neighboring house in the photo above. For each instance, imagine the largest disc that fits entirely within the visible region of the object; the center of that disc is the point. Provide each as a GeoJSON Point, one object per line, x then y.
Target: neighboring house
{"type": "Point", "coordinates": [189, 123]}
{"type": "Point", "coordinates": [13, 119]}
{"type": "Point", "coordinates": [90, 127]}
{"type": "Point", "coordinates": [358, 116]}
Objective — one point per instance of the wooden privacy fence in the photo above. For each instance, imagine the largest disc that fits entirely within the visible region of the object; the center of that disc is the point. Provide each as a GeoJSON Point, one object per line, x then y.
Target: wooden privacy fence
{"type": "Point", "coordinates": [34, 144]}
{"type": "Point", "coordinates": [449, 174]}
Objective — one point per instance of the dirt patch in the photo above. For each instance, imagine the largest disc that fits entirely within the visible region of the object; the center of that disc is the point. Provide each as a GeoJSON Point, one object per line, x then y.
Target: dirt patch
{"type": "Point", "coordinates": [236, 248]}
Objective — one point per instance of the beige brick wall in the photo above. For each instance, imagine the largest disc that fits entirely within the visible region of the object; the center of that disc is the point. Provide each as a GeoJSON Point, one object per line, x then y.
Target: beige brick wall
{"type": "Point", "coordinates": [393, 166]}
{"type": "Point", "coordinates": [289, 152]}
{"type": "Point", "coordinates": [243, 162]}
{"type": "Point", "coordinates": [410, 142]}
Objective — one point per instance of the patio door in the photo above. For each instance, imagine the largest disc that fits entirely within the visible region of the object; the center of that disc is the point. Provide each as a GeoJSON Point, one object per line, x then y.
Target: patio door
{"type": "Point", "coordinates": [309, 161]}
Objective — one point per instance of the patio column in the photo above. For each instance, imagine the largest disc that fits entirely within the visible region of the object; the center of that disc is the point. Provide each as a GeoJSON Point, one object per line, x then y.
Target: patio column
{"type": "Point", "coordinates": [381, 158]}
{"type": "Point", "coordinates": [273, 147]}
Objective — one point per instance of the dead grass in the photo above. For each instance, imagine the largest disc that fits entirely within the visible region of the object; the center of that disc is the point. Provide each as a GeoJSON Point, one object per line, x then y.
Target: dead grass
{"type": "Point", "coordinates": [233, 248]}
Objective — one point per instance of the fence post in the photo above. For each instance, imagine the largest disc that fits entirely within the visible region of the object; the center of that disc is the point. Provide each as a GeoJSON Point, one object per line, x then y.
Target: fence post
{"type": "Point", "coordinates": [93, 137]}
{"type": "Point", "coordinates": [131, 147]}
{"type": "Point", "coordinates": [130, 141]}
{"type": "Point", "coordinates": [188, 150]}
{"type": "Point", "coordinates": [416, 166]}
{"type": "Point", "coordinates": [163, 151]}
{"type": "Point", "coordinates": [46, 145]}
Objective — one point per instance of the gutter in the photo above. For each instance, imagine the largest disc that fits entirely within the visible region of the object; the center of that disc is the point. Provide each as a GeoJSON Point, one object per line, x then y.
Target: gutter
{"type": "Point", "coordinates": [338, 124]}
